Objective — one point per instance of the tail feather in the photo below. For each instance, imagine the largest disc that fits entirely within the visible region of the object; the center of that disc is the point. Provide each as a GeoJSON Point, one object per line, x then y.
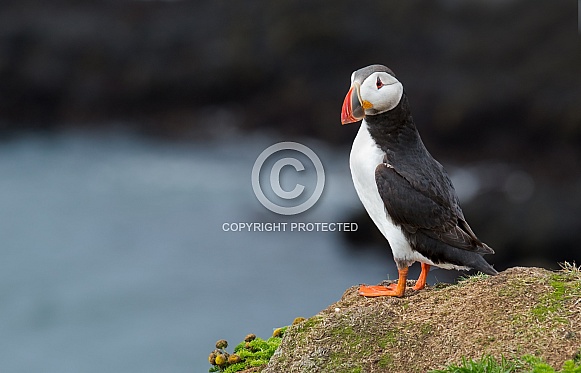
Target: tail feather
{"type": "Point", "coordinates": [482, 265]}
{"type": "Point", "coordinates": [441, 253]}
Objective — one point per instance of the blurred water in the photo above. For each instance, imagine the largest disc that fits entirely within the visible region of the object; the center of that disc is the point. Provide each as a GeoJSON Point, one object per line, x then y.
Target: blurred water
{"type": "Point", "coordinates": [113, 257]}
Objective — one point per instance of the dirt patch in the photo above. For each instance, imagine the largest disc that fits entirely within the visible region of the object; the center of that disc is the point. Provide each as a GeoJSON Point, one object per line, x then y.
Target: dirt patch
{"type": "Point", "coordinates": [520, 311]}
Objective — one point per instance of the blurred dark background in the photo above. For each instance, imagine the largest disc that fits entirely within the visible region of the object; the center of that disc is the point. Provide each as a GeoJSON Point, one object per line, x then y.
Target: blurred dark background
{"type": "Point", "coordinates": [493, 85]}
{"type": "Point", "coordinates": [495, 90]}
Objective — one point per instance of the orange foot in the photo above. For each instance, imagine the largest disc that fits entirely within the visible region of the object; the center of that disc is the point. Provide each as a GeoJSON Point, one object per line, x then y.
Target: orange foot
{"type": "Point", "coordinates": [396, 290]}
{"type": "Point", "coordinates": [379, 291]}
{"type": "Point", "coordinates": [392, 290]}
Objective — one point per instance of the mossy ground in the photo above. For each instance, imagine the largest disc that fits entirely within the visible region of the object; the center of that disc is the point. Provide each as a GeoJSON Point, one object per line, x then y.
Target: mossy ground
{"type": "Point", "coordinates": [522, 311]}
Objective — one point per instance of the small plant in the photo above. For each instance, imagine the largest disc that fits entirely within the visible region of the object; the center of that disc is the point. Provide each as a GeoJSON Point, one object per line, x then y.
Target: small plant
{"type": "Point", "coordinates": [487, 364]}
{"type": "Point", "coordinates": [571, 269]}
{"type": "Point", "coordinates": [472, 278]}
{"type": "Point", "coordinates": [252, 352]}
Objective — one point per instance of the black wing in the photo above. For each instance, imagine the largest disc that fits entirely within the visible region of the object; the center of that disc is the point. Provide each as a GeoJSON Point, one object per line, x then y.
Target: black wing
{"type": "Point", "coordinates": [429, 207]}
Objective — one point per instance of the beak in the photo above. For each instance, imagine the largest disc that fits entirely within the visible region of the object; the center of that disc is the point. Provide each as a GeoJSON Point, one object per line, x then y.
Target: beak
{"type": "Point", "coordinates": [352, 111]}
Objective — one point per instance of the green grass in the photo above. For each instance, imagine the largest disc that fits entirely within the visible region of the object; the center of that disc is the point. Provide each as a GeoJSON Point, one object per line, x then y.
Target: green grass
{"type": "Point", "coordinates": [385, 361]}
{"type": "Point", "coordinates": [526, 364]}
{"type": "Point", "coordinates": [472, 278]}
{"type": "Point", "coordinates": [565, 284]}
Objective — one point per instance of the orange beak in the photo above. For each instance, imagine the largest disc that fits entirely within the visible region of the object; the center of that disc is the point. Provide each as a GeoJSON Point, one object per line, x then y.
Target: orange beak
{"type": "Point", "coordinates": [352, 111]}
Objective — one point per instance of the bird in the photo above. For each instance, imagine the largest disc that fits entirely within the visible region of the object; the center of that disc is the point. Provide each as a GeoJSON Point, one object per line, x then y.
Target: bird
{"type": "Point", "coordinates": [406, 192]}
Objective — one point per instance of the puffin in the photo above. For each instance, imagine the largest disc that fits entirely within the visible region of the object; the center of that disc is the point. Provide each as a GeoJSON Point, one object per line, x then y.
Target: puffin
{"type": "Point", "coordinates": [406, 192]}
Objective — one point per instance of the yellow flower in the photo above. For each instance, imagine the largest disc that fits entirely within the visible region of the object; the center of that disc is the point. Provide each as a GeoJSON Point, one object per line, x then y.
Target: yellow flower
{"type": "Point", "coordinates": [221, 360]}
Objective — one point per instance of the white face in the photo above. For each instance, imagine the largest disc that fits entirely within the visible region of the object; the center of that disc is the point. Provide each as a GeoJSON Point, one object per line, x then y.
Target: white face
{"type": "Point", "coordinates": [380, 92]}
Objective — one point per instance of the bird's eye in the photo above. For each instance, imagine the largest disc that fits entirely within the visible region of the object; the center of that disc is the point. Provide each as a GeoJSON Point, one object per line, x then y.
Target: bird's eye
{"type": "Point", "coordinates": [379, 83]}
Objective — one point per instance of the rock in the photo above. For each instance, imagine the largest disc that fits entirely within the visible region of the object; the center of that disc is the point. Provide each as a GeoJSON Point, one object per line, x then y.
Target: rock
{"type": "Point", "coordinates": [520, 311]}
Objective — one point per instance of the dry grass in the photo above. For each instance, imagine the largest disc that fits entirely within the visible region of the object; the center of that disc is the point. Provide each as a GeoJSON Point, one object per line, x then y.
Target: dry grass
{"type": "Point", "coordinates": [521, 311]}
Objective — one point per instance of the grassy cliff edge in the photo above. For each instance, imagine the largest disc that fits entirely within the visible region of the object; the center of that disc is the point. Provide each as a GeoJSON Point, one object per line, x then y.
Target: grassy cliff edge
{"type": "Point", "coordinates": [522, 311]}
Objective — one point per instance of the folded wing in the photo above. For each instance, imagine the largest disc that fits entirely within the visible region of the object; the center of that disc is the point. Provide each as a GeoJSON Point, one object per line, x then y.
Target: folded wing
{"type": "Point", "coordinates": [417, 207]}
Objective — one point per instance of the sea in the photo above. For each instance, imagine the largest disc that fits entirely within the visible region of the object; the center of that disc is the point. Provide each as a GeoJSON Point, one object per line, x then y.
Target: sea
{"type": "Point", "coordinates": [118, 253]}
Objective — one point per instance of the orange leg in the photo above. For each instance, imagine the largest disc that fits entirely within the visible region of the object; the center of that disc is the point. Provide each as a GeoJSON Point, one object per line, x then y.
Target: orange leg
{"type": "Point", "coordinates": [421, 283]}
{"type": "Point", "coordinates": [380, 291]}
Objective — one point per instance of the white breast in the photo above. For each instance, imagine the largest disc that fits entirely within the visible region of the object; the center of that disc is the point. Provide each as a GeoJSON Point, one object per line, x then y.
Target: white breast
{"type": "Point", "coordinates": [365, 157]}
